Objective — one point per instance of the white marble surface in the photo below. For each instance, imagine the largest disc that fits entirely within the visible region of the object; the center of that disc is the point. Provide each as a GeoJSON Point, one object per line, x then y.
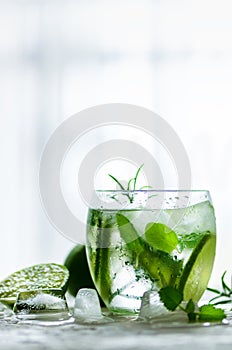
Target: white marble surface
{"type": "Point", "coordinates": [123, 335]}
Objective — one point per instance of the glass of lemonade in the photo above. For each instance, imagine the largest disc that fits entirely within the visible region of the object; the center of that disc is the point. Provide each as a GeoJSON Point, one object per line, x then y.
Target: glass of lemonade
{"type": "Point", "coordinates": [148, 239]}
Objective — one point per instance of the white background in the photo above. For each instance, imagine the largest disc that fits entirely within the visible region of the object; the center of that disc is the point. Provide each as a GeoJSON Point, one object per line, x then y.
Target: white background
{"type": "Point", "coordinates": [58, 57]}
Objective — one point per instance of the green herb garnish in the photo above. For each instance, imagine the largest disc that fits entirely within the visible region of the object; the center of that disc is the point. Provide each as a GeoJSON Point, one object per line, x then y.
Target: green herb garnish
{"type": "Point", "coordinates": [131, 185]}
{"type": "Point", "coordinates": [172, 299]}
{"type": "Point", "coordinates": [224, 296]}
{"type": "Point", "coordinates": [160, 236]}
{"type": "Point", "coordinates": [161, 267]}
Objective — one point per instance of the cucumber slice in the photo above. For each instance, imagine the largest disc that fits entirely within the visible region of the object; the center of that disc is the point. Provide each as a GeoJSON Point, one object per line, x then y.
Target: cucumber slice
{"type": "Point", "coordinates": [196, 274]}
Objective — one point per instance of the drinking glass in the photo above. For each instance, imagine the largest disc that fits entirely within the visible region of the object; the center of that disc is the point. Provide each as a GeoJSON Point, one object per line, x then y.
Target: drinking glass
{"type": "Point", "coordinates": [149, 239]}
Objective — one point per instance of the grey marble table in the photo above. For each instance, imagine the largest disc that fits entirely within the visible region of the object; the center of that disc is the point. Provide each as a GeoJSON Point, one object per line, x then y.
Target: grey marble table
{"type": "Point", "coordinates": [124, 335]}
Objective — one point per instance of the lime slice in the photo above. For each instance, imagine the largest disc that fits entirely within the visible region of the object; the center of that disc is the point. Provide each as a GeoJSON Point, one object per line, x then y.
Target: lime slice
{"type": "Point", "coordinates": [42, 276]}
{"type": "Point", "coordinates": [40, 300]}
{"type": "Point", "coordinates": [197, 271]}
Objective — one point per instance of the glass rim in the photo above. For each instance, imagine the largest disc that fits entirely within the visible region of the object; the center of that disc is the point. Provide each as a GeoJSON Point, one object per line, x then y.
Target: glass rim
{"type": "Point", "coordinates": [151, 190]}
{"type": "Point", "coordinates": [153, 198]}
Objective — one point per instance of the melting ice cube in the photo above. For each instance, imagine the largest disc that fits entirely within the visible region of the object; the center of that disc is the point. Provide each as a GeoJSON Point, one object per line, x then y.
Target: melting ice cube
{"type": "Point", "coordinates": [153, 309]}
{"type": "Point", "coordinates": [152, 306]}
{"type": "Point", "coordinates": [87, 305]}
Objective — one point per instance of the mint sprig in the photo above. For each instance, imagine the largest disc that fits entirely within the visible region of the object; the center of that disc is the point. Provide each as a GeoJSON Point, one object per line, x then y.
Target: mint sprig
{"type": "Point", "coordinates": [173, 298]}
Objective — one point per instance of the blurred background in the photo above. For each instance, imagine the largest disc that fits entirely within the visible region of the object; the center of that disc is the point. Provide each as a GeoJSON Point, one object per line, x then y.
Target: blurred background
{"type": "Point", "coordinates": [58, 57]}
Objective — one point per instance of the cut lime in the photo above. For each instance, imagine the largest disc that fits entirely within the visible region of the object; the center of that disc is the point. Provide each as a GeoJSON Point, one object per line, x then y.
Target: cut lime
{"type": "Point", "coordinates": [196, 274]}
{"type": "Point", "coordinates": [42, 276]}
{"type": "Point", "coordinates": [40, 300]}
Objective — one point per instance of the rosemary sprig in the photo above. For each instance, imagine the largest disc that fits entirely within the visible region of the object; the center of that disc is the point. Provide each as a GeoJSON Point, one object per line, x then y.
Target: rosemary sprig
{"type": "Point", "coordinates": [226, 292]}
{"type": "Point", "coordinates": [131, 185]}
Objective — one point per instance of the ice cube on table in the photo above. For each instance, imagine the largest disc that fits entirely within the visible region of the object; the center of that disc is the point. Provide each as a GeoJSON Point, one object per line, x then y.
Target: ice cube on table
{"type": "Point", "coordinates": [153, 310]}
{"type": "Point", "coordinates": [41, 303]}
{"type": "Point", "coordinates": [87, 306]}
{"type": "Point", "coordinates": [152, 306]}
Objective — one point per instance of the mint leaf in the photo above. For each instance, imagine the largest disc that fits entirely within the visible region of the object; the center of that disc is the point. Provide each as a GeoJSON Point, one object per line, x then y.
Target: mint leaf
{"type": "Point", "coordinates": [171, 297]}
{"type": "Point", "coordinates": [161, 237]}
{"type": "Point", "coordinates": [209, 313]}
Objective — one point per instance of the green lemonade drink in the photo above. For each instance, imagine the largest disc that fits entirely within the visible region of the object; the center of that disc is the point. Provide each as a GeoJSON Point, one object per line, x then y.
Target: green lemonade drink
{"type": "Point", "coordinates": [143, 240]}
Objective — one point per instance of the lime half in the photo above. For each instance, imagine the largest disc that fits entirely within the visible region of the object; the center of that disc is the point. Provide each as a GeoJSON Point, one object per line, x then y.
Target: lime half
{"type": "Point", "coordinates": [197, 271]}
{"type": "Point", "coordinates": [42, 276]}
